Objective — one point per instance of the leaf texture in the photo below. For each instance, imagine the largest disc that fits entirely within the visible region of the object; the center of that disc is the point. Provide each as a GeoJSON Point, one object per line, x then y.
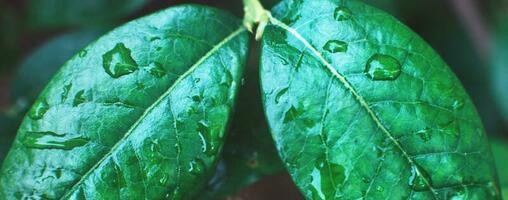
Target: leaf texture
{"type": "Point", "coordinates": [139, 114]}
{"type": "Point", "coordinates": [362, 108]}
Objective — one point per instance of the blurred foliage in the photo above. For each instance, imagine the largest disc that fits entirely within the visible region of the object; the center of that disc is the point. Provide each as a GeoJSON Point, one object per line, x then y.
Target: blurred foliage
{"type": "Point", "coordinates": [63, 13]}
{"type": "Point", "coordinates": [9, 49]}
{"type": "Point", "coordinates": [499, 64]}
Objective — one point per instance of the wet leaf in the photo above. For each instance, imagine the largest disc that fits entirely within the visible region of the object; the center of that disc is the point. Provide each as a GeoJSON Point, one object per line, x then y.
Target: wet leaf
{"type": "Point", "coordinates": [105, 127]}
{"type": "Point", "coordinates": [374, 119]}
{"type": "Point", "coordinates": [500, 151]}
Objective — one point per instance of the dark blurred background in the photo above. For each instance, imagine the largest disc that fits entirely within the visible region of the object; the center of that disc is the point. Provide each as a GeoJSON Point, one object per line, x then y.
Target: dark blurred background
{"type": "Point", "coordinates": [38, 36]}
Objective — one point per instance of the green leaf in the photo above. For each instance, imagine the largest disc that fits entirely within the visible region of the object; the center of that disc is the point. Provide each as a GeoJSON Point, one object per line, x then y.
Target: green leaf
{"type": "Point", "coordinates": [383, 117]}
{"type": "Point", "coordinates": [500, 151]}
{"type": "Point", "coordinates": [62, 13]}
{"type": "Point", "coordinates": [139, 114]}
{"type": "Point", "coordinates": [249, 153]}
{"type": "Point", "coordinates": [33, 73]}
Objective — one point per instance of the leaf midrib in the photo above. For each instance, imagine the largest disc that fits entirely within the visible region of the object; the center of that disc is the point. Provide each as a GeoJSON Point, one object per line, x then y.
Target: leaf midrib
{"type": "Point", "coordinates": [152, 106]}
{"type": "Point", "coordinates": [353, 91]}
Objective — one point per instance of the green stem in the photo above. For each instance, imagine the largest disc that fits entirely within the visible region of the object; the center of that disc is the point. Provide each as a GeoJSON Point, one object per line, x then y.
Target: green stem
{"type": "Point", "coordinates": [255, 14]}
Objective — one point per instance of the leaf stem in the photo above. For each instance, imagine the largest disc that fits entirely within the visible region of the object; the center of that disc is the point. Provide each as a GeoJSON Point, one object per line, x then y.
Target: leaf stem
{"type": "Point", "coordinates": [255, 14]}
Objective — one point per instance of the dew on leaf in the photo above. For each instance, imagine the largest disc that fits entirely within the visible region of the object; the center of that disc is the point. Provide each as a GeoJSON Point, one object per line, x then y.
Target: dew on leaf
{"type": "Point", "coordinates": [196, 166]}
{"type": "Point", "coordinates": [335, 46]}
{"type": "Point", "coordinates": [342, 14]}
{"type": "Point", "coordinates": [417, 179]}
{"type": "Point", "coordinates": [51, 140]}
{"type": "Point", "coordinates": [280, 94]}
{"type": "Point", "coordinates": [152, 39]}
{"type": "Point", "coordinates": [156, 69]}
{"type": "Point", "coordinates": [82, 53]}
{"type": "Point", "coordinates": [425, 134]}
{"type": "Point", "coordinates": [383, 67]}
{"type": "Point", "coordinates": [39, 109]}
{"type": "Point", "coordinates": [118, 61]}
{"type": "Point", "coordinates": [380, 188]}
{"type": "Point", "coordinates": [164, 179]}
{"type": "Point", "coordinates": [326, 178]}
{"type": "Point", "coordinates": [207, 146]}
{"type": "Point", "coordinates": [291, 115]}
{"type": "Point", "coordinates": [66, 90]}
{"type": "Point", "coordinates": [78, 98]}
{"type": "Point", "coordinates": [458, 104]}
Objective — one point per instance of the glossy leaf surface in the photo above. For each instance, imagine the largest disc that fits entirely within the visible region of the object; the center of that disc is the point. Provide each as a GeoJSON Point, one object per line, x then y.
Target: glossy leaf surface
{"type": "Point", "coordinates": [381, 117]}
{"type": "Point", "coordinates": [500, 151]}
{"type": "Point", "coordinates": [139, 114]}
{"type": "Point", "coordinates": [33, 74]}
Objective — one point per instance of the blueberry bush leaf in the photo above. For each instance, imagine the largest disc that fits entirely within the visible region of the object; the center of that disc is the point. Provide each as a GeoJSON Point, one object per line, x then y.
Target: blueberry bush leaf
{"type": "Point", "coordinates": [33, 74]}
{"type": "Point", "coordinates": [64, 13]}
{"type": "Point", "coordinates": [139, 114]}
{"type": "Point", "coordinates": [360, 107]}
{"type": "Point", "coordinates": [500, 151]}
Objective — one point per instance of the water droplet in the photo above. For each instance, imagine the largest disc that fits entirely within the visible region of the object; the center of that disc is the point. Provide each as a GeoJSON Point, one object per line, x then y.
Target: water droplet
{"type": "Point", "coordinates": [164, 179]}
{"type": "Point", "coordinates": [51, 140]}
{"type": "Point", "coordinates": [118, 61]}
{"type": "Point", "coordinates": [458, 104]}
{"type": "Point", "coordinates": [227, 79]}
{"type": "Point", "coordinates": [78, 98]}
{"type": "Point", "coordinates": [82, 53]}
{"type": "Point", "coordinates": [207, 146]}
{"type": "Point", "coordinates": [493, 190]}
{"type": "Point", "coordinates": [280, 94]}
{"type": "Point", "coordinates": [335, 46]}
{"type": "Point", "coordinates": [39, 109]}
{"type": "Point", "coordinates": [291, 115]}
{"type": "Point", "coordinates": [366, 179]}
{"type": "Point", "coordinates": [380, 188]}
{"type": "Point", "coordinates": [196, 166]}
{"type": "Point", "coordinates": [418, 179]}
{"type": "Point", "coordinates": [152, 39]}
{"type": "Point", "coordinates": [66, 90]}
{"type": "Point", "coordinates": [342, 13]}
{"type": "Point", "coordinates": [243, 81]}
{"type": "Point", "coordinates": [425, 134]}
{"type": "Point", "coordinates": [326, 178]}
{"type": "Point", "coordinates": [156, 69]}
{"type": "Point", "coordinates": [383, 67]}
{"type": "Point", "coordinates": [457, 195]}
{"type": "Point", "coordinates": [197, 98]}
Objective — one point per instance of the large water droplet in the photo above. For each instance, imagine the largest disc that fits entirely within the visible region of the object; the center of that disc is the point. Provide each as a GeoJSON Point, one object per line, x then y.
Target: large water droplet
{"type": "Point", "coordinates": [118, 61]}
{"type": "Point", "coordinates": [335, 46]}
{"type": "Point", "coordinates": [79, 98]}
{"type": "Point", "coordinates": [342, 13]}
{"type": "Point", "coordinates": [196, 166]}
{"type": "Point", "coordinates": [280, 94]}
{"type": "Point", "coordinates": [418, 179]}
{"type": "Point", "coordinates": [39, 109]}
{"type": "Point", "coordinates": [156, 69]}
{"type": "Point", "coordinates": [425, 134]}
{"type": "Point", "coordinates": [326, 178]}
{"type": "Point", "coordinates": [383, 67]}
{"type": "Point", "coordinates": [51, 140]}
